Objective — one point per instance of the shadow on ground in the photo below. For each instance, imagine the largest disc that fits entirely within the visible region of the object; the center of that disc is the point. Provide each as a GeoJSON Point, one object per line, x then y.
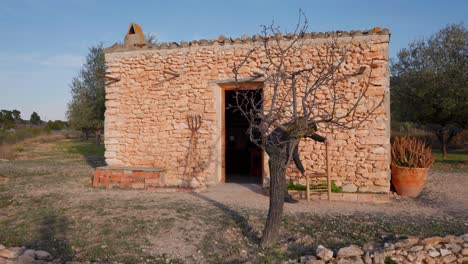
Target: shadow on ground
{"type": "Point", "coordinates": [53, 236]}
{"type": "Point", "coordinates": [243, 224]}
{"type": "Point", "coordinates": [254, 187]}
{"type": "Point", "coordinates": [93, 154]}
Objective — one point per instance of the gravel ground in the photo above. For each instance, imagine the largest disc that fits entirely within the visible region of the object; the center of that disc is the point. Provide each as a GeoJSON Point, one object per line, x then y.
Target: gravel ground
{"type": "Point", "coordinates": [47, 203]}
{"type": "Point", "coordinates": [445, 193]}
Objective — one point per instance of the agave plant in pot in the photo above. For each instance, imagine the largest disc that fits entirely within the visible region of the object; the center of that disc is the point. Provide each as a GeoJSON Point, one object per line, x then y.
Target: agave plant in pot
{"type": "Point", "coordinates": [411, 160]}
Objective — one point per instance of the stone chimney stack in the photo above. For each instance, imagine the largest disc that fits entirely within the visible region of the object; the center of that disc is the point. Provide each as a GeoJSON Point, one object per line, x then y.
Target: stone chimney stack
{"type": "Point", "coordinates": [134, 36]}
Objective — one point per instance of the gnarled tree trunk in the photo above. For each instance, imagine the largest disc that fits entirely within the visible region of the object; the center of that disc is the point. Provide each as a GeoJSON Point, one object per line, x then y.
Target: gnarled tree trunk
{"type": "Point", "coordinates": [85, 134]}
{"type": "Point", "coordinates": [277, 164]}
{"type": "Point", "coordinates": [98, 137]}
{"type": "Point", "coordinates": [445, 134]}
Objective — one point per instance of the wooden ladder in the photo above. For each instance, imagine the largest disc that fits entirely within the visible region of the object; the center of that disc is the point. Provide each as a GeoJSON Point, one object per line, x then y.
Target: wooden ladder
{"type": "Point", "coordinates": [326, 175]}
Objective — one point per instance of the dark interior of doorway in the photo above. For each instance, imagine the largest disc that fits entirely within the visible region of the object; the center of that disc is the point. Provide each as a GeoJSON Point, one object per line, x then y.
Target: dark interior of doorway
{"type": "Point", "coordinates": [243, 158]}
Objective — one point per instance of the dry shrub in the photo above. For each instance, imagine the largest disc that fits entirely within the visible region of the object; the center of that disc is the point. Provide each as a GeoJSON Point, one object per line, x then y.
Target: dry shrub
{"type": "Point", "coordinates": [72, 135]}
{"type": "Point", "coordinates": [19, 135]}
{"type": "Point", "coordinates": [461, 139]}
{"type": "Point", "coordinates": [411, 152]}
{"type": "Point", "coordinates": [7, 152]}
{"type": "Point", "coordinates": [45, 139]}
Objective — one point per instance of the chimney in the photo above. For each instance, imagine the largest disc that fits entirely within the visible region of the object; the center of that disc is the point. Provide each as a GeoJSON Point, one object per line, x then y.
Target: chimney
{"type": "Point", "coordinates": [134, 36]}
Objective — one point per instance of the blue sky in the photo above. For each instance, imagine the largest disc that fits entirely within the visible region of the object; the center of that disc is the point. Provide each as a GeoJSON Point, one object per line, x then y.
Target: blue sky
{"type": "Point", "coordinates": [43, 43]}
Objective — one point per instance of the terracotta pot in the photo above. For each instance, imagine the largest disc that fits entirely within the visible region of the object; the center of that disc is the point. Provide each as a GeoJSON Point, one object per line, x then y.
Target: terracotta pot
{"type": "Point", "coordinates": [409, 182]}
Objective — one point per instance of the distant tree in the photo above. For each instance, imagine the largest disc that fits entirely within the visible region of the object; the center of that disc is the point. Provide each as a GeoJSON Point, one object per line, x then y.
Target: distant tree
{"type": "Point", "coordinates": [16, 114]}
{"type": "Point", "coordinates": [86, 110]}
{"type": "Point", "coordinates": [151, 38]}
{"type": "Point", "coordinates": [430, 83]}
{"type": "Point", "coordinates": [35, 119]}
{"type": "Point", "coordinates": [55, 125]}
{"type": "Point", "coordinates": [7, 120]}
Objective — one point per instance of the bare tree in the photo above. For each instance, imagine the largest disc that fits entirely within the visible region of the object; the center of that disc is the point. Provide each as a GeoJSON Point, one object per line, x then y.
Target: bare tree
{"type": "Point", "coordinates": [296, 99]}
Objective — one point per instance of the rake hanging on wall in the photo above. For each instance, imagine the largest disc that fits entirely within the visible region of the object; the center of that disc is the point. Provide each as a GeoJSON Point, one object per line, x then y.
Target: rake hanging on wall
{"type": "Point", "coordinates": [194, 122]}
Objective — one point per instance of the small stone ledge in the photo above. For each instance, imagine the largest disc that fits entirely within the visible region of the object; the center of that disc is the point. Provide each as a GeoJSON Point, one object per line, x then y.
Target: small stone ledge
{"type": "Point", "coordinates": [154, 169]}
{"type": "Point", "coordinates": [141, 178]}
{"type": "Point", "coordinates": [344, 197]}
{"type": "Point", "coordinates": [232, 80]}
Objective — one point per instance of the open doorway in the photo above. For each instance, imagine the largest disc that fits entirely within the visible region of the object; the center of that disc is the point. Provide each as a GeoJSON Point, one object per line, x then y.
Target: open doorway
{"type": "Point", "coordinates": [243, 159]}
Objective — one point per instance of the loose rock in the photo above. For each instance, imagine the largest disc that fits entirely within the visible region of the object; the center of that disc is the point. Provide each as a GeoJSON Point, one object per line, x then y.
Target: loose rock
{"type": "Point", "coordinates": [324, 253]}
{"type": "Point", "coordinates": [434, 253]}
{"type": "Point", "coordinates": [455, 248]}
{"type": "Point", "coordinates": [315, 261]}
{"type": "Point", "coordinates": [351, 251]}
{"type": "Point", "coordinates": [465, 252]}
{"type": "Point", "coordinates": [416, 248]}
{"type": "Point", "coordinates": [407, 242]}
{"type": "Point", "coordinates": [449, 259]}
{"type": "Point", "coordinates": [25, 259]}
{"type": "Point", "coordinates": [432, 240]}
{"type": "Point", "coordinates": [43, 255]}
{"type": "Point", "coordinates": [6, 253]}
{"type": "Point", "coordinates": [444, 252]}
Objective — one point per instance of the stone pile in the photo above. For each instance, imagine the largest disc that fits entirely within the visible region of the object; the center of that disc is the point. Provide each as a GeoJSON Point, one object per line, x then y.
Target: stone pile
{"type": "Point", "coordinates": [22, 255]}
{"type": "Point", "coordinates": [431, 250]}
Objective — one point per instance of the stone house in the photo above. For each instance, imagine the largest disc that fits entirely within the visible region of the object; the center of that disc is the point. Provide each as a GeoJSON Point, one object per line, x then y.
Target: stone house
{"type": "Point", "coordinates": [155, 90]}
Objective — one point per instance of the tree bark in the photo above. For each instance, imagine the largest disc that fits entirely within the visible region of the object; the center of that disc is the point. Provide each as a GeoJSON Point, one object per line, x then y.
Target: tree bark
{"type": "Point", "coordinates": [444, 149]}
{"type": "Point", "coordinates": [98, 137]}
{"type": "Point", "coordinates": [85, 133]}
{"type": "Point", "coordinates": [277, 166]}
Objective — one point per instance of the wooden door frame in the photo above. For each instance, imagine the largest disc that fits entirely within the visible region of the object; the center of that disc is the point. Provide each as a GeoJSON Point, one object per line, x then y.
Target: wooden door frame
{"type": "Point", "coordinates": [249, 85]}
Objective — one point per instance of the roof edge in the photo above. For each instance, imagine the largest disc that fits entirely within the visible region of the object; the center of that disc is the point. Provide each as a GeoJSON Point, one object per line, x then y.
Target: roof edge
{"type": "Point", "coordinates": [245, 39]}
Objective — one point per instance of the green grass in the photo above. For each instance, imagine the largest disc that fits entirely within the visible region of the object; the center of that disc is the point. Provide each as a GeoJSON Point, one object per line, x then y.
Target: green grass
{"type": "Point", "coordinates": [455, 161]}
{"type": "Point", "coordinates": [300, 187]}
{"type": "Point", "coordinates": [452, 156]}
{"type": "Point", "coordinates": [84, 148]}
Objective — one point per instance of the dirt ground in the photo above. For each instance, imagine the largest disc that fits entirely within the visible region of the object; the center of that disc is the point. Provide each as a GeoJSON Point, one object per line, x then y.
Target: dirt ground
{"type": "Point", "coordinates": [47, 203]}
{"type": "Point", "coordinates": [445, 193]}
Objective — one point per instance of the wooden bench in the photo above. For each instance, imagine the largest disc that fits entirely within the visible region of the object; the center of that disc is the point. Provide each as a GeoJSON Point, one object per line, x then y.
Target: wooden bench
{"type": "Point", "coordinates": [326, 175]}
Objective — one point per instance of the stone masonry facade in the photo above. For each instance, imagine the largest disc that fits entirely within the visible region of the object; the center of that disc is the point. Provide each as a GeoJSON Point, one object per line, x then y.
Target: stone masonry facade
{"type": "Point", "coordinates": [154, 87]}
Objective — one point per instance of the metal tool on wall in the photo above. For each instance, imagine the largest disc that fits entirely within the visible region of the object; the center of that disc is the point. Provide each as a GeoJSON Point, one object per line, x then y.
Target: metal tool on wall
{"type": "Point", "coordinates": [194, 123]}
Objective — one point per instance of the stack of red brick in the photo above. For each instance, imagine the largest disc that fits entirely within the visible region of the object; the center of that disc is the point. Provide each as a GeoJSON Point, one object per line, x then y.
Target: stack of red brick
{"type": "Point", "coordinates": [132, 178]}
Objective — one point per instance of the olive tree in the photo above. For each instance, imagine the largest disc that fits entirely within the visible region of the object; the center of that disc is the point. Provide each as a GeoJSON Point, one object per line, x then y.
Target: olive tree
{"type": "Point", "coordinates": [430, 83]}
{"type": "Point", "coordinates": [87, 107]}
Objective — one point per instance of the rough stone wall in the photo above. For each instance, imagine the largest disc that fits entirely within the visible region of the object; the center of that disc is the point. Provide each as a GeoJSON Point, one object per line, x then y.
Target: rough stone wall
{"type": "Point", "coordinates": [146, 125]}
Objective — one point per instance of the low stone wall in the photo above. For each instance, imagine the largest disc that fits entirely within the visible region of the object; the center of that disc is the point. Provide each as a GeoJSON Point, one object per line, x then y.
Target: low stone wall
{"type": "Point", "coordinates": [134, 178]}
